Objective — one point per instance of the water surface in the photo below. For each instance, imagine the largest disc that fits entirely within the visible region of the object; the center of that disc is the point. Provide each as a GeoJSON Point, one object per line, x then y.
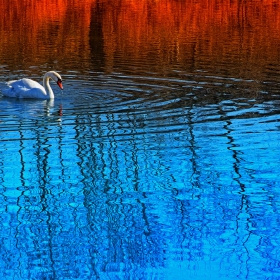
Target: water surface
{"type": "Point", "coordinates": [160, 159]}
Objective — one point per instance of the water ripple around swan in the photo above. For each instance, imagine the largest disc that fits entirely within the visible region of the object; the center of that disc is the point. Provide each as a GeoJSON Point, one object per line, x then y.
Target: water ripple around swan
{"type": "Point", "coordinates": [124, 150]}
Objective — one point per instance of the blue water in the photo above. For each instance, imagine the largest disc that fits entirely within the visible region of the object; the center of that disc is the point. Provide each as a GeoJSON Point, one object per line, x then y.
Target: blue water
{"type": "Point", "coordinates": [158, 161]}
{"type": "Point", "coordinates": [120, 183]}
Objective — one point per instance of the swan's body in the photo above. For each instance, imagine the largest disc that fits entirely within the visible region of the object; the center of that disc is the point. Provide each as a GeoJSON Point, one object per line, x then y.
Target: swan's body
{"type": "Point", "coordinates": [27, 88]}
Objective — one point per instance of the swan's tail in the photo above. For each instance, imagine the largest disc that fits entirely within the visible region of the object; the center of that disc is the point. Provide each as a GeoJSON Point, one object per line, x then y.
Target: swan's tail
{"type": "Point", "coordinates": [10, 91]}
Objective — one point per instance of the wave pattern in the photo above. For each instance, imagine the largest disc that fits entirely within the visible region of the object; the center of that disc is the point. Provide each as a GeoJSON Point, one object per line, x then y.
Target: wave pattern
{"type": "Point", "coordinates": [160, 158]}
{"type": "Point", "coordinates": [135, 179]}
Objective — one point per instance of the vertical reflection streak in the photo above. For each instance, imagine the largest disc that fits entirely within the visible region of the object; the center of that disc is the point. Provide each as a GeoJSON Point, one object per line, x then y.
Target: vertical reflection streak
{"type": "Point", "coordinates": [181, 205]}
{"type": "Point", "coordinates": [193, 147]}
{"type": "Point", "coordinates": [93, 202]}
{"type": "Point", "coordinates": [60, 147]}
{"type": "Point", "coordinates": [241, 221]}
{"type": "Point", "coordinates": [22, 180]}
{"type": "Point", "coordinates": [43, 157]}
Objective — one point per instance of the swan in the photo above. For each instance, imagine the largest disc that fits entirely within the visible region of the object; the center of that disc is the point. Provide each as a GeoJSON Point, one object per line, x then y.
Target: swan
{"type": "Point", "coordinates": [27, 88]}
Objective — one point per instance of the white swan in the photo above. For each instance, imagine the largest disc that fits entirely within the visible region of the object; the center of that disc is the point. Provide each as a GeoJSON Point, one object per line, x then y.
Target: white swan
{"type": "Point", "coordinates": [27, 88]}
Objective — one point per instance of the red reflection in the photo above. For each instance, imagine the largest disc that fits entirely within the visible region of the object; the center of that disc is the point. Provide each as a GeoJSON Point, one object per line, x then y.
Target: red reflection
{"type": "Point", "coordinates": [37, 32]}
{"type": "Point", "coordinates": [159, 34]}
{"type": "Point", "coordinates": [194, 34]}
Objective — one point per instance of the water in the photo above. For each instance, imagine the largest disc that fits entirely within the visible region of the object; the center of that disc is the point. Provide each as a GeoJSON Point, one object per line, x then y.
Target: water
{"type": "Point", "coordinates": [160, 159]}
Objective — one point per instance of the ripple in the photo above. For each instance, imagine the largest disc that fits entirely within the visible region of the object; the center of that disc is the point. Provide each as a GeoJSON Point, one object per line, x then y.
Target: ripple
{"type": "Point", "coordinates": [139, 157]}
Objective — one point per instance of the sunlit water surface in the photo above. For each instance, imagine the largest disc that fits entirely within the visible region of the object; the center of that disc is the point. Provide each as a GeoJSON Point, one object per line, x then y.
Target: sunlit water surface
{"type": "Point", "coordinates": [133, 175]}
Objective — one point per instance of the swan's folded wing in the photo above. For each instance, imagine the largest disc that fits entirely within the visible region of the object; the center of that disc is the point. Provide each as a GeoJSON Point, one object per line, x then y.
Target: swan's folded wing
{"type": "Point", "coordinates": [24, 88]}
{"type": "Point", "coordinates": [24, 84]}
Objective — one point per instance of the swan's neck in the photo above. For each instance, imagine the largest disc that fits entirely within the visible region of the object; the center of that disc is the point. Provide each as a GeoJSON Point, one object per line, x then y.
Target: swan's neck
{"type": "Point", "coordinates": [46, 84]}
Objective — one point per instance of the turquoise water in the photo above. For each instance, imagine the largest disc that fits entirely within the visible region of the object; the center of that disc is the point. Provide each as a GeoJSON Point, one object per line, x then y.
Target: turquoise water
{"type": "Point", "coordinates": [139, 173]}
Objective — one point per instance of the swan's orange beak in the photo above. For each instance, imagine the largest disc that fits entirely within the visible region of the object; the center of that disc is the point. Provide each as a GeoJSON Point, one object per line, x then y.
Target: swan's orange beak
{"type": "Point", "coordinates": [59, 83]}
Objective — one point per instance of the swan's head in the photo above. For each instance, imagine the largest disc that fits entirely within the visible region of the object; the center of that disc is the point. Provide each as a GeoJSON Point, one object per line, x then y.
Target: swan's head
{"type": "Point", "coordinates": [56, 77]}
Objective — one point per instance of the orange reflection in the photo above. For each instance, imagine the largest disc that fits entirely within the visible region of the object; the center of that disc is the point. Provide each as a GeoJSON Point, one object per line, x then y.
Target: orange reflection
{"type": "Point", "coordinates": [149, 34]}
{"type": "Point", "coordinates": [193, 34]}
{"type": "Point", "coordinates": [38, 32]}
